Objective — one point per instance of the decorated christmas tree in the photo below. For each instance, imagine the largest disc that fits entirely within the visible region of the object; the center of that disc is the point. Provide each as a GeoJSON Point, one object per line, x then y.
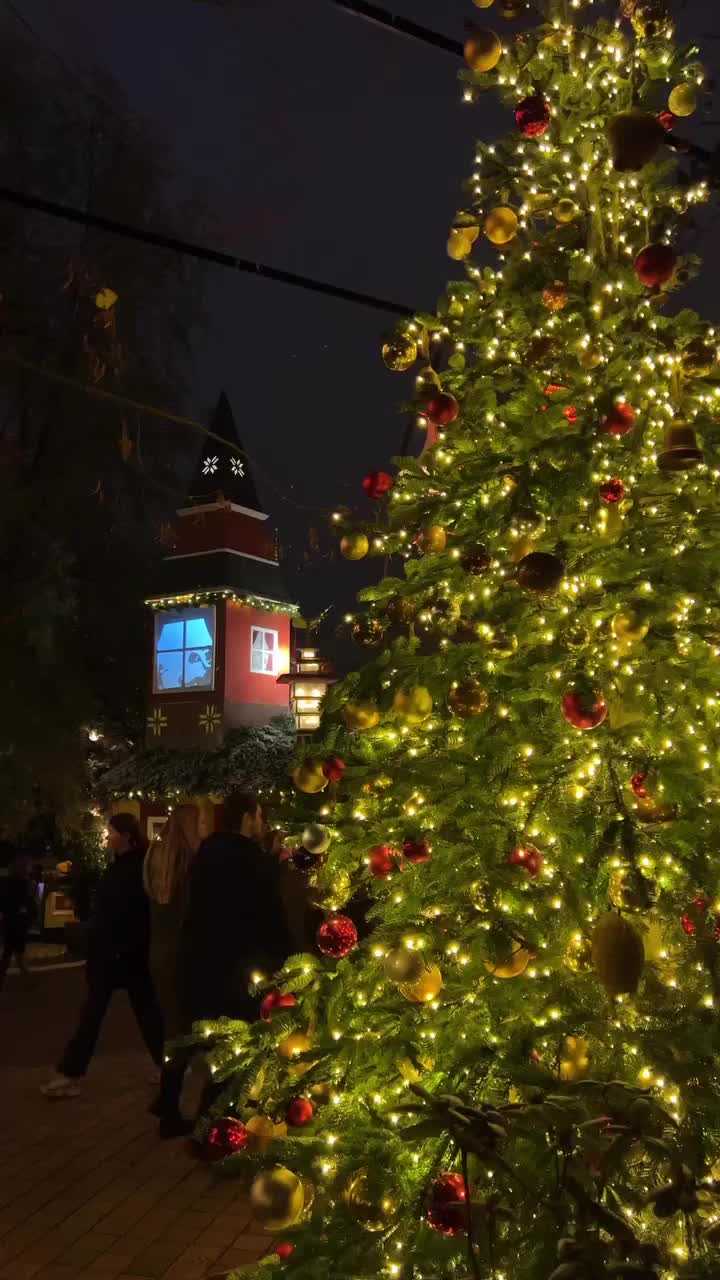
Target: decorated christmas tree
{"type": "Point", "coordinates": [509, 1071]}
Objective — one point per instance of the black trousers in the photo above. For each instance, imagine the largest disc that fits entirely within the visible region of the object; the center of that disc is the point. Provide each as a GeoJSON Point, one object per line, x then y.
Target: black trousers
{"type": "Point", "coordinates": [103, 980]}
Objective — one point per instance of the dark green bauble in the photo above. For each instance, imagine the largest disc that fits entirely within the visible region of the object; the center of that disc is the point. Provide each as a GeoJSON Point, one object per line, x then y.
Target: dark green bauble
{"type": "Point", "coordinates": [368, 632]}
{"type": "Point", "coordinates": [540, 571]}
{"type": "Point", "coordinates": [475, 559]}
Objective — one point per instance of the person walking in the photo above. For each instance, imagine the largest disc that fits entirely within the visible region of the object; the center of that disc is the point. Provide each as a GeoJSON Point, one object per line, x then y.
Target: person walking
{"type": "Point", "coordinates": [117, 958]}
{"type": "Point", "coordinates": [166, 875]}
{"type": "Point", "coordinates": [17, 908]}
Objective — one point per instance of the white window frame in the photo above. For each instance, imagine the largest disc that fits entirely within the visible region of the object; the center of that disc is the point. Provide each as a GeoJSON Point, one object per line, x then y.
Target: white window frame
{"type": "Point", "coordinates": [183, 688]}
{"type": "Point", "coordinates": [266, 631]}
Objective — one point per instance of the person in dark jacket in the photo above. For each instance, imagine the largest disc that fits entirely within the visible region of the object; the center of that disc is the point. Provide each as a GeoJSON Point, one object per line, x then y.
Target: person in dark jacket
{"type": "Point", "coordinates": [17, 908]}
{"type": "Point", "coordinates": [235, 924]}
{"type": "Point", "coordinates": [117, 957]}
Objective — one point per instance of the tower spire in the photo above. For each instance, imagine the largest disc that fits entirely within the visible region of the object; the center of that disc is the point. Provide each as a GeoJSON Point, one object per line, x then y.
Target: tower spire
{"type": "Point", "coordinates": [224, 469]}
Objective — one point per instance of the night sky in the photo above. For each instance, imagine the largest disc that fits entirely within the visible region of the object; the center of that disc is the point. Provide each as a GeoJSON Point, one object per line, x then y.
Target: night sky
{"type": "Point", "coordinates": [322, 144]}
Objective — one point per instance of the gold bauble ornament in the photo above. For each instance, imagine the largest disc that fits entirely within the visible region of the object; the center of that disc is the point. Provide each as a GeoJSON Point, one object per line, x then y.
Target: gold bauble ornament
{"type": "Point", "coordinates": [309, 777]}
{"type": "Point", "coordinates": [565, 211]}
{"type": "Point", "coordinates": [482, 50]}
{"type": "Point", "coordinates": [478, 895]}
{"type": "Point", "coordinates": [483, 4]}
{"type": "Point", "coordinates": [502, 645]}
{"type": "Point", "coordinates": [277, 1197]}
{"type": "Point", "coordinates": [555, 296]}
{"type": "Point", "coordinates": [412, 706]}
{"type": "Point", "coordinates": [589, 357]}
{"type": "Point", "coordinates": [513, 967]}
{"type": "Point", "coordinates": [372, 1215]}
{"type": "Point", "coordinates": [501, 225]}
{"type": "Point", "coordinates": [400, 351]}
{"type": "Point", "coordinates": [576, 1060]}
{"type": "Point", "coordinates": [683, 100]}
{"type": "Point", "coordinates": [354, 546]}
{"type": "Point", "coordinates": [263, 1132]}
{"type": "Point", "coordinates": [699, 359]}
{"type": "Point", "coordinates": [578, 954]}
{"type": "Point", "coordinates": [468, 698]}
{"type": "Point", "coordinates": [629, 626]}
{"type": "Point", "coordinates": [361, 715]}
{"type": "Point", "coordinates": [461, 241]}
{"type": "Point", "coordinates": [329, 889]}
{"type": "Point", "coordinates": [293, 1045]}
{"type": "Point", "coordinates": [403, 965]}
{"type": "Point", "coordinates": [425, 988]}
{"type": "Point", "coordinates": [618, 954]}
{"type": "Point", "coordinates": [412, 1073]}
{"type": "Point", "coordinates": [651, 20]}
{"type": "Point", "coordinates": [432, 538]}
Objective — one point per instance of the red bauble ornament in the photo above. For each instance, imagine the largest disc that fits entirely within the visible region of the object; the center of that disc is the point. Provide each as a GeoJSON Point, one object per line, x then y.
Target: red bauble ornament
{"type": "Point", "coordinates": [532, 115]}
{"type": "Point", "coordinates": [417, 850]}
{"type": "Point", "coordinates": [619, 420]}
{"type": "Point", "coordinates": [447, 1209]}
{"type": "Point", "coordinates": [527, 857]}
{"type": "Point", "coordinates": [276, 1000]}
{"type": "Point", "coordinates": [441, 409]}
{"type": "Point", "coordinates": [299, 1112]}
{"type": "Point", "coordinates": [570, 412]}
{"type": "Point", "coordinates": [337, 937]}
{"type": "Point", "coordinates": [691, 918]}
{"type": "Point", "coordinates": [226, 1137]}
{"type": "Point", "coordinates": [382, 860]}
{"type": "Point", "coordinates": [655, 265]}
{"type": "Point", "coordinates": [612, 491]}
{"type": "Point", "coordinates": [584, 708]}
{"type": "Point", "coordinates": [377, 483]}
{"type": "Point", "coordinates": [667, 119]}
{"type": "Point", "coordinates": [637, 786]}
{"type": "Point", "coordinates": [284, 1250]}
{"type": "Point", "coordinates": [333, 768]}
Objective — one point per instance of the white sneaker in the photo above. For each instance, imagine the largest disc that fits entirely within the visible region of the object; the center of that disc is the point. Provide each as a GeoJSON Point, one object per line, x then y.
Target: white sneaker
{"type": "Point", "coordinates": [61, 1087]}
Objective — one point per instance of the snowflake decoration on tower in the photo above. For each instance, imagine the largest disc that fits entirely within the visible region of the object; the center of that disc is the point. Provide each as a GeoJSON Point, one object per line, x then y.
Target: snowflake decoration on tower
{"type": "Point", "coordinates": [237, 466]}
{"type": "Point", "coordinates": [157, 721]}
{"type": "Point", "coordinates": [210, 466]}
{"type": "Point", "coordinates": [210, 719]}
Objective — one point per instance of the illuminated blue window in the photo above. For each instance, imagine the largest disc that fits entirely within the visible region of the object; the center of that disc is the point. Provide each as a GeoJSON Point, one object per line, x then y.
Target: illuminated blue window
{"type": "Point", "coordinates": [185, 649]}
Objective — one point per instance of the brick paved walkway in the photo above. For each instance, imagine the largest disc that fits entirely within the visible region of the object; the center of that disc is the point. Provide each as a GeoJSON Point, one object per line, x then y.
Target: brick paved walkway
{"type": "Point", "coordinates": [87, 1190]}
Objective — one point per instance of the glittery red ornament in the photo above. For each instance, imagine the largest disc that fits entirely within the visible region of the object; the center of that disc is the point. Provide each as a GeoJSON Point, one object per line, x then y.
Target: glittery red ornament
{"type": "Point", "coordinates": [637, 786]}
{"type": "Point", "coordinates": [417, 850]}
{"type": "Point", "coordinates": [570, 412]}
{"type": "Point", "coordinates": [441, 409]}
{"type": "Point", "coordinates": [284, 1250]}
{"type": "Point", "coordinates": [333, 768]}
{"type": "Point", "coordinates": [226, 1137]}
{"type": "Point", "coordinates": [619, 420]}
{"type": "Point", "coordinates": [447, 1208]}
{"type": "Point", "coordinates": [527, 857]}
{"type": "Point", "coordinates": [694, 914]}
{"type": "Point", "coordinates": [667, 119]}
{"type": "Point", "coordinates": [377, 483]}
{"type": "Point", "coordinates": [655, 265]}
{"type": "Point", "coordinates": [337, 937]}
{"type": "Point", "coordinates": [299, 1112]}
{"type": "Point", "coordinates": [382, 860]}
{"type": "Point", "coordinates": [276, 1000]}
{"type": "Point", "coordinates": [612, 490]}
{"type": "Point", "coordinates": [584, 708]}
{"type": "Point", "coordinates": [532, 115]}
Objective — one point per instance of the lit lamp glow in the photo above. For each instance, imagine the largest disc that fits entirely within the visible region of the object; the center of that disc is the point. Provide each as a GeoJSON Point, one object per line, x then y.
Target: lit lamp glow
{"type": "Point", "coordinates": [308, 678]}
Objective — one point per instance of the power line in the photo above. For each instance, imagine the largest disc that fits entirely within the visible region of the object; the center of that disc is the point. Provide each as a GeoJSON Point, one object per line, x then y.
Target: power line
{"type": "Point", "coordinates": [399, 25]}
{"type": "Point", "coordinates": [158, 240]}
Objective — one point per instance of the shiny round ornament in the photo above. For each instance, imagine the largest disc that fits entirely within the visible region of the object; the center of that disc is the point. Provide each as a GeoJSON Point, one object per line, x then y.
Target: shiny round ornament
{"type": "Point", "coordinates": [629, 626]}
{"type": "Point", "coordinates": [284, 1250]}
{"type": "Point", "coordinates": [612, 491]}
{"type": "Point", "coordinates": [476, 560]}
{"type": "Point", "coordinates": [361, 715]}
{"type": "Point", "coordinates": [316, 838]}
{"type": "Point", "coordinates": [309, 777]}
{"type": "Point", "coordinates": [377, 483]}
{"type": "Point", "coordinates": [565, 211]}
{"type": "Point", "coordinates": [619, 421]}
{"type": "Point", "coordinates": [277, 1198]}
{"type": "Point", "coordinates": [441, 409]}
{"type": "Point", "coordinates": [680, 451]}
{"type": "Point", "coordinates": [555, 296]}
{"type": "Point", "coordinates": [225, 1137]}
{"type": "Point", "coordinates": [540, 571]}
{"type": "Point", "coordinates": [482, 50]}
{"type": "Point", "coordinates": [637, 785]}
{"type": "Point", "coordinates": [584, 708]}
{"type": "Point", "coordinates": [635, 138]}
{"type": "Point", "coordinates": [401, 610]}
{"type": "Point", "coordinates": [275, 1000]}
{"type": "Point", "coordinates": [478, 895]}
{"type": "Point", "coordinates": [412, 706]}
{"type": "Point", "coordinates": [297, 1043]}
{"type": "Point", "coordinates": [651, 19]}
{"type": "Point", "coordinates": [501, 226]}
{"type": "Point", "coordinates": [683, 100]}
{"type": "Point", "coordinates": [528, 522]}
{"type": "Point", "coordinates": [426, 988]}
{"type": "Point", "coordinates": [333, 768]}
{"type": "Point", "coordinates": [468, 698]}
{"type": "Point", "coordinates": [589, 357]}
{"type": "Point", "coordinates": [533, 115]}
{"type": "Point", "coordinates": [655, 265]}
{"type": "Point", "coordinates": [447, 1210]}
{"type": "Point", "coordinates": [368, 632]}
{"type": "Point", "coordinates": [502, 646]}
{"type": "Point", "coordinates": [694, 918]}
{"type": "Point", "coordinates": [382, 861]}
{"type": "Point", "coordinates": [300, 1111]}
{"type": "Point", "coordinates": [699, 358]}
{"type": "Point", "coordinates": [329, 889]}
{"type": "Point", "coordinates": [483, 4]}
{"type": "Point", "coordinates": [354, 546]}
{"type": "Point", "coordinates": [528, 858]}
{"type": "Point", "coordinates": [403, 965]}
{"type": "Point", "coordinates": [337, 937]}
{"type": "Point", "coordinates": [400, 352]}
{"type": "Point", "coordinates": [460, 242]}
{"type": "Point", "coordinates": [618, 954]}
{"type": "Point", "coordinates": [512, 968]}
{"type": "Point", "coordinates": [263, 1131]}
{"type": "Point", "coordinates": [578, 955]}
{"type": "Point", "coordinates": [372, 1214]}
{"type": "Point", "coordinates": [431, 539]}
{"type": "Point", "coordinates": [417, 851]}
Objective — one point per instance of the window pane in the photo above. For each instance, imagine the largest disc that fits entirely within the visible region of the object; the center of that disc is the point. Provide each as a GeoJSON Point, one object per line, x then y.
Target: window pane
{"type": "Point", "coordinates": [269, 639]}
{"type": "Point", "coordinates": [198, 669]}
{"type": "Point", "coordinates": [256, 661]}
{"type": "Point", "coordinates": [198, 630]}
{"type": "Point", "coordinates": [257, 638]}
{"type": "Point", "coordinates": [269, 662]}
{"type": "Point", "coordinates": [170, 635]}
{"type": "Point", "coordinates": [169, 670]}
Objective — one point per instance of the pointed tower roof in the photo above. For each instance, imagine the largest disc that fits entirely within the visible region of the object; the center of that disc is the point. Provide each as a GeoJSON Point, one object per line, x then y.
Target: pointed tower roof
{"type": "Point", "coordinates": [224, 468]}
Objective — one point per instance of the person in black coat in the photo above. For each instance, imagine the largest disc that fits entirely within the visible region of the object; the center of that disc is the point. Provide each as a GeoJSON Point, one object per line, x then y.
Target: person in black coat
{"type": "Point", "coordinates": [17, 908]}
{"type": "Point", "coordinates": [235, 925]}
{"type": "Point", "coordinates": [117, 957]}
